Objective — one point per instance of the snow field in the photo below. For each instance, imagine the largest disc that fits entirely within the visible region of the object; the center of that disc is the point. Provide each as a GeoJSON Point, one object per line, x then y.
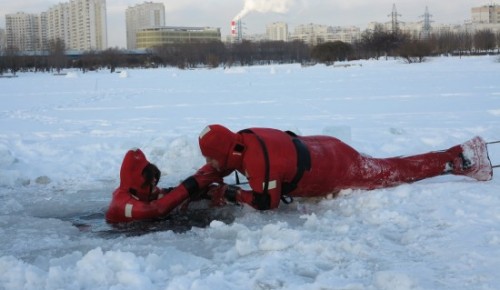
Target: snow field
{"type": "Point", "coordinates": [62, 140]}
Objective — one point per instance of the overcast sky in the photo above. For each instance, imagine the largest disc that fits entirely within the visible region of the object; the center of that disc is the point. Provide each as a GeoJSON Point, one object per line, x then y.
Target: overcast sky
{"type": "Point", "coordinates": [258, 13]}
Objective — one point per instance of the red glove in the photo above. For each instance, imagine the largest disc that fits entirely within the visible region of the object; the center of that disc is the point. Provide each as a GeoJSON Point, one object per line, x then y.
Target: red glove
{"type": "Point", "coordinates": [221, 194]}
{"type": "Point", "coordinates": [202, 194]}
{"type": "Point", "coordinates": [217, 195]}
{"type": "Point", "coordinates": [207, 175]}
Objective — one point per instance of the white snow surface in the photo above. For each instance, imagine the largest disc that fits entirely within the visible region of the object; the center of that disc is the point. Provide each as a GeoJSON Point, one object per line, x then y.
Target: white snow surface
{"type": "Point", "coordinates": [62, 140]}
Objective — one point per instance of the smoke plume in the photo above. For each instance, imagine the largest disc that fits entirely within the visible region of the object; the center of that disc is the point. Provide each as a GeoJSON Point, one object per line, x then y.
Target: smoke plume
{"type": "Point", "coordinates": [263, 6]}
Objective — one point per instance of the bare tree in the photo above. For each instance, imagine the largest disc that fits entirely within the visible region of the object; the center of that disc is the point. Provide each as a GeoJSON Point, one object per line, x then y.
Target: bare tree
{"type": "Point", "coordinates": [12, 59]}
{"type": "Point", "coordinates": [446, 42]}
{"type": "Point", "coordinates": [111, 58]}
{"type": "Point", "coordinates": [57, 54]}
{"type": "Point", "coordinates": [244, 52]}
{"type": "Point", "coordinates": [498, 41]}
{"type": "Point", "coordinates": [484, 40]}
{"type": "Point", "coordinates": [3, 63]}
{"type": "Point", "coordinates": [89, 61]}
{"type": "Point", "coordinates": [381, 42]}
{"type": "Point", "coordinates": [465, 42]}
{"type": "Point", "coordinates": [299, 51]}
{"type": "Point", "coordinates": [329, 52]}
{"type": "Point", "coordinates": [415, 50]}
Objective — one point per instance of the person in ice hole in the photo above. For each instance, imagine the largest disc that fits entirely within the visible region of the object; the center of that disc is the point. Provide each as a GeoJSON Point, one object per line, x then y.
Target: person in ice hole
{"type": "Point", "coordinates": [139, 198]}
{"type": "Point", "coordinates": [281, 165]}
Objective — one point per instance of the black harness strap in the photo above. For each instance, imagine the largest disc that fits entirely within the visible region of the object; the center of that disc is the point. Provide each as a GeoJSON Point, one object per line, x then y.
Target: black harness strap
{"type": "Point", "coordinates": [303, 164]}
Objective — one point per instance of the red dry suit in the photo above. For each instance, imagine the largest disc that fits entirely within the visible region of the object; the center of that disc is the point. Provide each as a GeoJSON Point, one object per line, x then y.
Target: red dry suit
{"type": "Point", "coordinates": [133, 201]}
{"type": "Point", "coordinates": [278, 164]}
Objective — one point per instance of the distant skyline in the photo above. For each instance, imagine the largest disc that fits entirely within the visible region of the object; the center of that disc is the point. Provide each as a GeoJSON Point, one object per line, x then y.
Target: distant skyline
{"type": "Point", "coordinates": [258, 13]}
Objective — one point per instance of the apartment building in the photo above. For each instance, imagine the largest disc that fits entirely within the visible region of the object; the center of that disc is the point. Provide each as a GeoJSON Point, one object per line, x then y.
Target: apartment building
{"type": "Point", "coordinates": [142, 16]}
{"type": "Point", "coordinates": [277, 31]}
{"type": "Point", "coordinates": [488, 14]}
{"type": "Point", "coordinates": [58, 23]}
{"type": "Point", "coordinates": [312, 34]}
{"type": "Point", "coordinates": [25, 32]}
{"type": "Point", "coordinates": [315, 34]}
{"type": "Point", "coordinates": [81, 24]}
{"type": "Point", "coordinates": [87, 25]}
{"type": "Point", "coordinates": [3, 40]}
{"type": "Point", "coordinates": [348, 34]}
{"type": "Point", "coordinates": [485, 18]}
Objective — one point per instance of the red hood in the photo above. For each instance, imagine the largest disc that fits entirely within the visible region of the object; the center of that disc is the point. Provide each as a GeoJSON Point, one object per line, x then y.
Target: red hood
{"type": "Point", "coordinates": [131, 172]}
{"type": "Point", "coordinates": [219, 143]}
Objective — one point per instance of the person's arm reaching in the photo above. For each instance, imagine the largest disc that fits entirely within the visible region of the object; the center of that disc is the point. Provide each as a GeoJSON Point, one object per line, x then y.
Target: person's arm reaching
{"type": "Point", "coordinates": [132, 209]}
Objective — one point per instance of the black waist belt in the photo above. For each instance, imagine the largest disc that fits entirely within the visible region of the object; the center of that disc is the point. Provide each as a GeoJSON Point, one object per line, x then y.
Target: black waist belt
{"type": "Point", "coordinates": [303, 164]}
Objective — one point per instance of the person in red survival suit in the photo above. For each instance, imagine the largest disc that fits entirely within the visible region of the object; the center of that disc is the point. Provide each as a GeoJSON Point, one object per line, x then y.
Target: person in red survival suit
{"type": "Point", "coordinates": [139, 198]}
{"type": "Point", "coordinates": [282, 165]}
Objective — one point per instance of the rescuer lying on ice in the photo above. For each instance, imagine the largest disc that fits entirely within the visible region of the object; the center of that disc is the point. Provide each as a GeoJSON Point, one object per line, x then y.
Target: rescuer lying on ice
{"type": "Point", "coordinates": [281, 165]}
{"type": "Point", "coordinates": [138, 196]}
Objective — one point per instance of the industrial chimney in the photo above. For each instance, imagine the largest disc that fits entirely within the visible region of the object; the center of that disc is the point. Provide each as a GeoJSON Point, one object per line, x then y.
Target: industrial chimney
{"type": "Point", "coordinates": [236, 30]}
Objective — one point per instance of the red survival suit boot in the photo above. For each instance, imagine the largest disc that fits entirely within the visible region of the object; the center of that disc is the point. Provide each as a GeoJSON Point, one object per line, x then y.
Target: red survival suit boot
{"type": "Point", "coordinates": [473, 160]}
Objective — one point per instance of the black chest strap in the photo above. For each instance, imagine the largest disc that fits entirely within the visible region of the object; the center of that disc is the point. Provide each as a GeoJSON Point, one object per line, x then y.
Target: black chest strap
{"type": "Point", "coordinates": [303, 164]}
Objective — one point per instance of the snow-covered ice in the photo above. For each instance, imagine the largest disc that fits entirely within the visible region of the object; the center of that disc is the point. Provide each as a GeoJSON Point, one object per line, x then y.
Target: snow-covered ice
{"type": "Point", "coordinates": [62, 140]}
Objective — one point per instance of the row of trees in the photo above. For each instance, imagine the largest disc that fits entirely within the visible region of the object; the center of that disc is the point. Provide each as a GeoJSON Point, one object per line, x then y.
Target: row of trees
{"type": "Point", "coordinates": [244, 53]}
{"type": "Point", "coordinates": [373, 44]}
{"type": "Point", "coordinates": [378, 43]}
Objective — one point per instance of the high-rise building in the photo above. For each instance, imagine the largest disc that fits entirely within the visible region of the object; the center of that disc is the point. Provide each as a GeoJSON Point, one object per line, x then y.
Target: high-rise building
{"type": "Point", "coordinates": [143, 16]}
{"type": "Point", "coordinates": [88, 25]}
{"type": "Point", "coordinates": [3, 40]}
{"type": "Point", "coordinates": [277, 31]}
{"type": "Point", "coordinates": [488, 14]}
{"type": "Point", "coordinates": [81, 24]}
{"type": "Point", "coordinates": [485, 18]}
{"type": "Point", "coordinates": [58, 23]}
{"type": "Point", "coordinates": [25, 32]}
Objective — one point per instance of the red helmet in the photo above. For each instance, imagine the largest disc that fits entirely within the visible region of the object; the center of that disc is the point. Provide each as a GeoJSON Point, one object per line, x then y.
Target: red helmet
{"type": "Point", "coordinates": [223, 145]}
{"type": "Point", "coordinates": [137, 175]}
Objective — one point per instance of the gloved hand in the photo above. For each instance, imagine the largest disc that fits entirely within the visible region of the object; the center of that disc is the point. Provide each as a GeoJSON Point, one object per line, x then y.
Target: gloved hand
{"type": "Point", "coordinates": [200, 195]}
{"type": "Point", "coordinates": [221, 194]}
{"type": "Point", "coordinates": [217, 195]}
{"type": "Point", "coordinates": [207, 175]}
